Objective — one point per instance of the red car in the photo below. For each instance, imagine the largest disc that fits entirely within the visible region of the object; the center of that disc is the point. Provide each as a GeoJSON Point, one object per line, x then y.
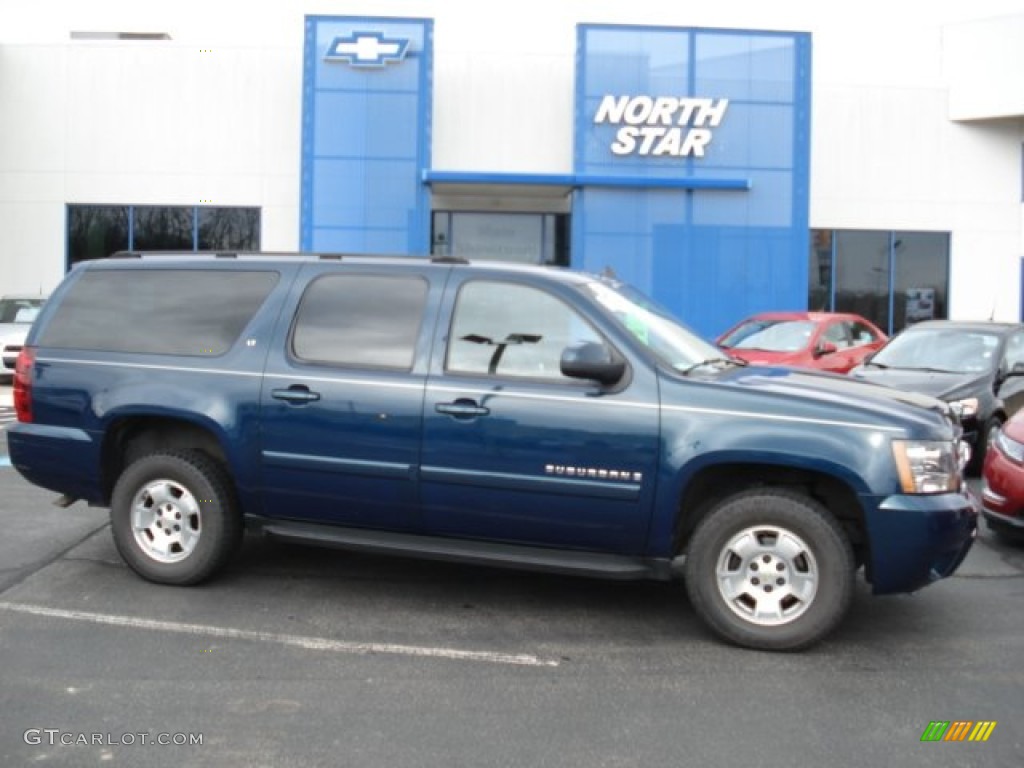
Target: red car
{"type": "Point", "coordinates": [825, 341]}
{"type": "Point", "coordinates": [1002, 491]}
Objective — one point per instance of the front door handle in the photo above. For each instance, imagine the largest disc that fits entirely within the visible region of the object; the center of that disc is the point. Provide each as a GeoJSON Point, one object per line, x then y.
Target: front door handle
{"type": "Point", "coordinates": [296, 393]}
{"type": "Point", "coordinates": [463, 408]}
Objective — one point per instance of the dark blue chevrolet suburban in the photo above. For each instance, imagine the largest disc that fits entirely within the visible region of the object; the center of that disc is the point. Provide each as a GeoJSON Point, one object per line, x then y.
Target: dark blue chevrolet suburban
{"type": "Point", "coordinates": [515, 416]}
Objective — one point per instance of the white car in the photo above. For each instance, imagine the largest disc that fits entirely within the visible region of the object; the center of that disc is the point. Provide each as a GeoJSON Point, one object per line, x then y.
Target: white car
{"type": "Point", "coordinates": [16, 316]}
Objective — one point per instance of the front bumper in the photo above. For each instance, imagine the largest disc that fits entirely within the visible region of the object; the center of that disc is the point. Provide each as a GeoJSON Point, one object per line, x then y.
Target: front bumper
{"type": "Point", "coordinates": [1000, 519]}
{"type": "Point", "coordinates": [916, 540]}
{"type": "Point", "coordinates": [1001, 493]}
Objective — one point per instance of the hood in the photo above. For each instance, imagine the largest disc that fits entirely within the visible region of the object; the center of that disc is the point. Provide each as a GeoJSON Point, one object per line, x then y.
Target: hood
{"type": "Point", "coordinates": [810, 395]}
{"type": "Point", "coordinates": [947, 386]}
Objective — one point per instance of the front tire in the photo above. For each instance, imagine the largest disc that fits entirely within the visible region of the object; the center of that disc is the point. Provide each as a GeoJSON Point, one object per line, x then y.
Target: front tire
{"type": "Point", "coordinates": [985, 438]}
{"type": "Point", "coordinates": [770, 570]}
{"type": "Point", "coordinates": [174, 517]}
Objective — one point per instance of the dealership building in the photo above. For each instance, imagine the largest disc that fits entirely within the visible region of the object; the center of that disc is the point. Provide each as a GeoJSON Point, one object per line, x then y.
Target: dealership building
{"type": "Point", "coordinates": [725, 158]}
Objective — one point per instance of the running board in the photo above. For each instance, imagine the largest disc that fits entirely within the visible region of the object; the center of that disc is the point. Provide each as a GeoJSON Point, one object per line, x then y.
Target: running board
{"type": "Point", "coordinates": [569, 562]}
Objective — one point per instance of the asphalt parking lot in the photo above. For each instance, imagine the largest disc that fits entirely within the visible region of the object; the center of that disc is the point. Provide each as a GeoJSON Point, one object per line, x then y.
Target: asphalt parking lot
{"type": "Point", "coordinates": [307, 657]}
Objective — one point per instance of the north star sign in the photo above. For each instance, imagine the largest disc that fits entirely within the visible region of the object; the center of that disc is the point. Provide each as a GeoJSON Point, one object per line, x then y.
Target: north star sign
{"type": "Point", "coordinates": [661, 126]}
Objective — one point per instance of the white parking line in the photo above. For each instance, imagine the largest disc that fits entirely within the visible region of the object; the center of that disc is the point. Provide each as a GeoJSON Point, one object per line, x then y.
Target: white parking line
{"type": "Point", "coordinates": [298, 641]}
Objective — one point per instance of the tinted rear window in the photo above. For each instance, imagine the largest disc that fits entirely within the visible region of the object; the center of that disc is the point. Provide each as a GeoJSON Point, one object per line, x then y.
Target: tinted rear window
{"type": "Point", "coordinates": [159, 311]}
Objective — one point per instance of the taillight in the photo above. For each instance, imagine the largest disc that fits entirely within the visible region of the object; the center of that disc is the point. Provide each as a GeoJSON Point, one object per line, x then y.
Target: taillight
{"type": "Point", "coordinates": [23, 384]}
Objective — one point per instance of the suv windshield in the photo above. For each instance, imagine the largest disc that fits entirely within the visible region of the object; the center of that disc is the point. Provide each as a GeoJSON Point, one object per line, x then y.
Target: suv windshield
{"type": "Point", "coordinates": [956, 350]}
{"type": "Point", "coordinates": [671, 341]}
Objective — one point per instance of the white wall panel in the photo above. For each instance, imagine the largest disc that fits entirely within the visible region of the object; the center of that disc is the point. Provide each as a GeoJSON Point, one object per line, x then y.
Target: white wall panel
{"type": "Point", "coordinates": [978, 56]}
{"type": "Point", "coordinates": [488, 116]}
{"type": "Point", "coordinates": [214, 113]}
{"type": "Point", "coordinates": [33, 247]}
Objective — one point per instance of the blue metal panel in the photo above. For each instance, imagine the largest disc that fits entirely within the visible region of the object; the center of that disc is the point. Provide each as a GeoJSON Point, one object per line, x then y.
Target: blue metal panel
{"type": "Point", "coordinates": [721, 230]}
{"type": "Point", "coordinates": [580, 180]}
{"type": "Point", "coordinates": [367, 94]}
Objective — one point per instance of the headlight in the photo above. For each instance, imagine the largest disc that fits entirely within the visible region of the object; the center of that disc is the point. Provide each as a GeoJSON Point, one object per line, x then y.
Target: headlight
{"type": "Point", "coordinates": [1013, 450]}
{"type": "Point", "coordinates": [927, 466]}
{"type": "Point", "coordinates": [966, 408]}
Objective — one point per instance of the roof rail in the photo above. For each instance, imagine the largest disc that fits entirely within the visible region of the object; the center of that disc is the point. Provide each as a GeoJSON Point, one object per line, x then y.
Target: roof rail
{"type": "Point", "coordinates": [285, 254]}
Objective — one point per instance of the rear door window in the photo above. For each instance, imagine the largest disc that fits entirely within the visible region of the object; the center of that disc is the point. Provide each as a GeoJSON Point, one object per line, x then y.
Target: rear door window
{"type": "Point", "coordinates": [364, 321]}
{"type": "Point", "coordinates": [862, 334]}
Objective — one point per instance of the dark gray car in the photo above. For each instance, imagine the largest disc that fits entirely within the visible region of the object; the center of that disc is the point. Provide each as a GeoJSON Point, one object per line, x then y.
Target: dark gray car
{"type": "Point", "coordinates": [978, 367]}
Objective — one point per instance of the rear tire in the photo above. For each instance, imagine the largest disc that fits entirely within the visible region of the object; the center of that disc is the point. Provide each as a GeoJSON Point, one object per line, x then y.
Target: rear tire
{"type": "Point", "coordinates": [770, 570]}
{"type": "Point", "coordinates": [174, 517]}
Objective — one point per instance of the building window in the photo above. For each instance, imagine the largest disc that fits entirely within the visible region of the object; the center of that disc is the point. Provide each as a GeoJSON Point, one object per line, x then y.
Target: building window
{"type": "Point", "coordinates": [894, 279]}
{"type": "Point", "coordinates": [229, 229]}
{"type": "Point", "coordinates": [97, 231]}
{"type": "Point", "coordinates": [163, 229]}
{"type": "Point", "coordinates": [530, 238]}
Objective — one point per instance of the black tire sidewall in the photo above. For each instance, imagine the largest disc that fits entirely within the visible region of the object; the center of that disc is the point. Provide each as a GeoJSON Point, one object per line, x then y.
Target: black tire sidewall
{"type": "Point", "coordinates": [981, 445]}
{"type": "Point", "coordinates": [804, 518]}
{"type": "Point", "coordinates": [220, 529]}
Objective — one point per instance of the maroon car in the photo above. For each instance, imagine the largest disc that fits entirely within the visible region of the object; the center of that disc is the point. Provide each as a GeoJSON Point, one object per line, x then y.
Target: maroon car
{"type": "Point", "coordinates": [1002, 492]}
{"type": "Point", "coordinates": [826, 341]}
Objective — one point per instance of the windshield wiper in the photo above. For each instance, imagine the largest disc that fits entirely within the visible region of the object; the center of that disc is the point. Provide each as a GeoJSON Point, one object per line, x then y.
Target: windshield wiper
{"type": "Point", "coordinates": [711, 361]}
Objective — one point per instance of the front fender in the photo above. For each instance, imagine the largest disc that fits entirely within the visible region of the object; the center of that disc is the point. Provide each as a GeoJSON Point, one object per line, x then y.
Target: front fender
{"type": "Point", "coordinates": [724, 454]}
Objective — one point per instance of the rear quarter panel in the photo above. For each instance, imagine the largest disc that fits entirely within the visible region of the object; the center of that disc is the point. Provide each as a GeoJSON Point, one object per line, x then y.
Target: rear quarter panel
{"type": "Point", "coordinates": [78, 396]}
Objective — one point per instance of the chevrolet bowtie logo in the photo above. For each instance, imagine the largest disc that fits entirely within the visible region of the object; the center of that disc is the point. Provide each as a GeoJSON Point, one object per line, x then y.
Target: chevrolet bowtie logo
{"type": "Point", "coordinates": [367, 49]}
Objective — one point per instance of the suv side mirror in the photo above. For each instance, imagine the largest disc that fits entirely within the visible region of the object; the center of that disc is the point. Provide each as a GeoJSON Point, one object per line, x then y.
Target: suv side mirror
{"type": "Point", "coordinates": [825, 348]}
{"type": "Point", "coordinates": [590, 360]}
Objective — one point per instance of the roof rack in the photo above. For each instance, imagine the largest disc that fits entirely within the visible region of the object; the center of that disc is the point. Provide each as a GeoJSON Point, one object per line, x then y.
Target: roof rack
{"type": "Point", "coordinates": [286, 254]}
{"type": "Point", "coordinates": [141, 254]}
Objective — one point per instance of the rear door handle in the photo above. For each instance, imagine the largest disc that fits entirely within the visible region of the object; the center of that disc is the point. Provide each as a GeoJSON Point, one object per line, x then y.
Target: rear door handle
{"type": "Point", "coordinates": [463, 408]}
{"type": "Point", "coordinates": [296, 393]}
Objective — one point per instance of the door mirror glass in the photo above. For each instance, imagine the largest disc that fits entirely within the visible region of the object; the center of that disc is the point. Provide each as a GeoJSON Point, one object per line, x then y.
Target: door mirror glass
{"type": "Point", "coordinates": [592, 360]}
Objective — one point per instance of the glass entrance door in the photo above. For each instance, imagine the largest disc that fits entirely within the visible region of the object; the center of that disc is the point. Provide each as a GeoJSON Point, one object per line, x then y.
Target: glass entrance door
{"type": "Point", "coordinates": [527, 238]}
